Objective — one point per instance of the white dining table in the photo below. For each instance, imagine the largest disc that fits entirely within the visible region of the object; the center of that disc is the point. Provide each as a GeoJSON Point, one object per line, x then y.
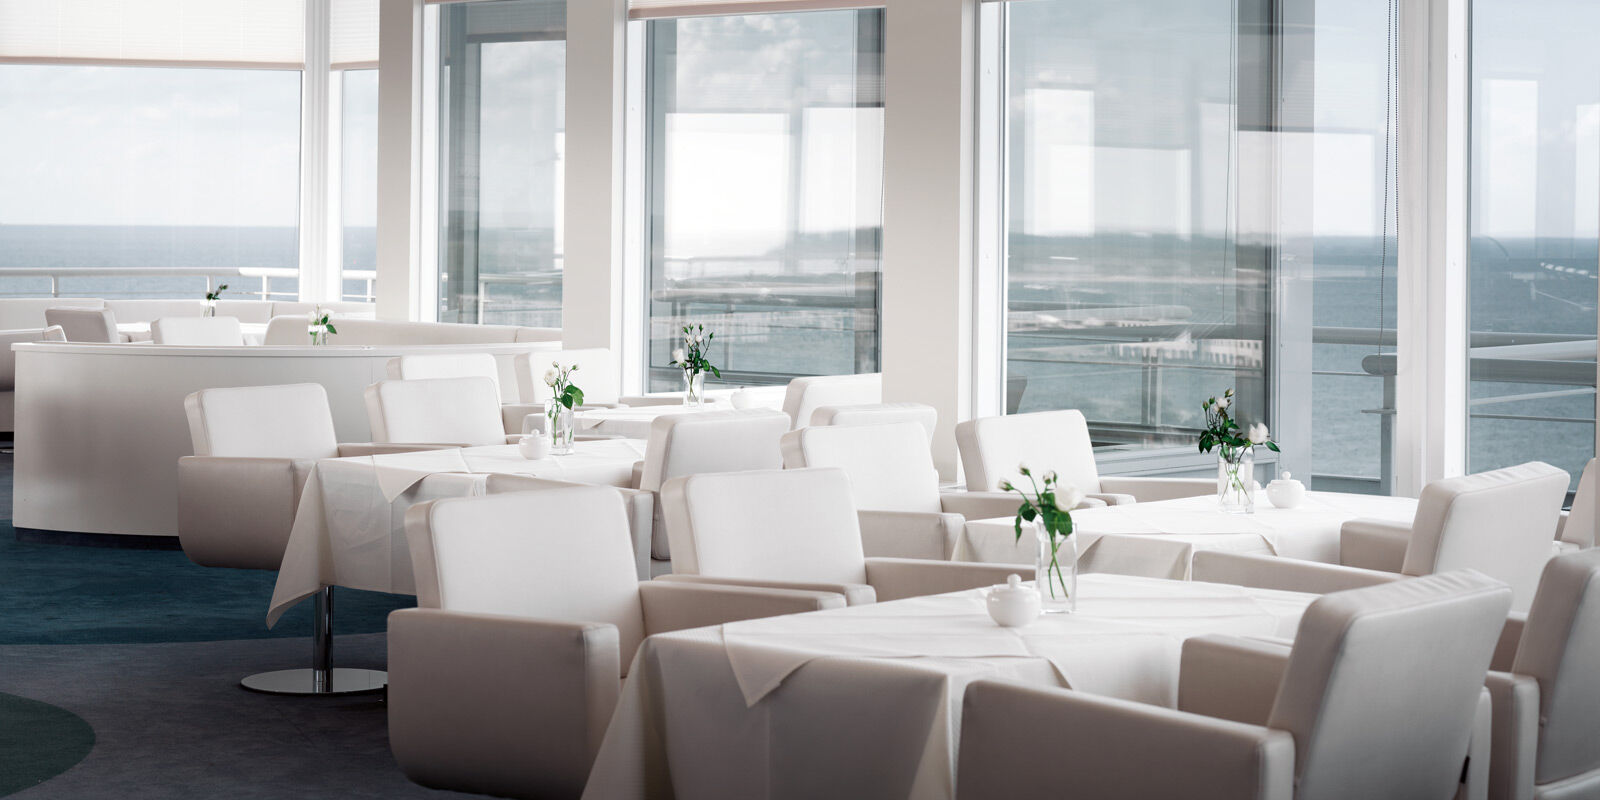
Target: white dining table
{"type": "Point", "coordinates": [1159, 539]}
{"type": "Point", "coordinates": [349, 529]}
{"type": "Point", "coordinates": [865, 701]}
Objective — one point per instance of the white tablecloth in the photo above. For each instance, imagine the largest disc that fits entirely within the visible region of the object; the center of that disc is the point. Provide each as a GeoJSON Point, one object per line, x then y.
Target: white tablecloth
{"type": "Point", "coordinates": [1158, 540]}
{"type": "Point", "coordinates": [865, 701]}
{"type": "Point", "coordinates": [350, 527]}
{"type": "Point", "coordinates": [634, 423]}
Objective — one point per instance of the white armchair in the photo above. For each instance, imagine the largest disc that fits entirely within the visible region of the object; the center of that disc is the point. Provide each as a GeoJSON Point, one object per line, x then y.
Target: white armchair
{"type": "Point", "coordinates": [90, 325]}
{"type": "Point", "coordinates": [878, 414]}
{"type": "Point", "coordinates": [504, 679]}
{"type": "Point", "coordinates": [992, 447]}
{"type": "Point", "coordinates": [597, 375]}
{"type": "Point", "coordinates": [805, 395]}
{"type": "Point", "coordinates": [640, 507]}
{"type": "Point", "coordinates": [464, 412]}
{"type": "Point", "coordinates": [1546, 689]}
{"type": "Point", "coordinates": [200, 331]}
{"type": "Point", "coordinates": [1576, 530]}
{"type": "Point", "coordinates": [713, 441]}
{"type": "Point", "coordinates": [1500, 523]}
{"type": "Point", "coordinates": [427, 366]}
{"type": "Point", "coordinates": [895, 487]}
{"type": "Point", "coordinates": [796, 529]}
{"type": "Point", "coordinates": [1381, 697]}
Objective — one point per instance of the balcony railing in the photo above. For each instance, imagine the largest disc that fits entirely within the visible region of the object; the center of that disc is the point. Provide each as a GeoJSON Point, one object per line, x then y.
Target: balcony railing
{"type": "Point", "coordinates": [254, 282]}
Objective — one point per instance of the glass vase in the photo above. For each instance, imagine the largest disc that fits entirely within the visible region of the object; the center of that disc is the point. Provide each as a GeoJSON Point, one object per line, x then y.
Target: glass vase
{"type": "Point", "coordinates": [561, 425]}
{"type": "Point", "coordinates": [1056, 571]}
{"type": "Point", "coordinates": [694, 388]}
{"type": "Point", "coordinates": [1236, 480]}
{"type": "Point", "coordinates": [211, 309]}
{"type": "Point", "coordinates": [319, 336]}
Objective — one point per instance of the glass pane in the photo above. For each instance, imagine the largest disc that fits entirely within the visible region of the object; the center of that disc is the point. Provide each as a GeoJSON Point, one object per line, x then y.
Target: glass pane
{"type": "Point", "coordinates": [1355, 250]}
{"type": "Point", "coordinates": [1130, 294]}
{"type": "Point", "coordinates": [766, 192]}
{"type": "Point", "coordinates": [145, 170]}
{"type": "Point", "coordinates": [358, 184]}
{"type": "Point", "coordinates": [502, 85]}
{"type": "Point", "coordinates": [1535, 226]}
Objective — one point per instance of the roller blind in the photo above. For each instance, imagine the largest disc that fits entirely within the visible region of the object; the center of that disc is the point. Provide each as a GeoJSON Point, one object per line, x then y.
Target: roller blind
{"type": "Point", "coordinates": [656, 9]}
{"type": "Point", "coordinates": [245, 33]}
{"type": "Point", "coordinates": [353, 40]}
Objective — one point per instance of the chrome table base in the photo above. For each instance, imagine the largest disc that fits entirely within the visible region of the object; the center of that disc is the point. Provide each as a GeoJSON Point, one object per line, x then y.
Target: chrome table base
{"type": "Point", "coordinates": [321, 678]}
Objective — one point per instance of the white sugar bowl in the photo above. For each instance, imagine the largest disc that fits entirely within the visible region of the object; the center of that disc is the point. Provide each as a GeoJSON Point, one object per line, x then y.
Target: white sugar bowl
{"type": "Point", "coordinates": [534, 447]}
{"type": "Point", "coordinates": [1286, 492]}
{"type": "Point", "coordinates": [1014, 605]}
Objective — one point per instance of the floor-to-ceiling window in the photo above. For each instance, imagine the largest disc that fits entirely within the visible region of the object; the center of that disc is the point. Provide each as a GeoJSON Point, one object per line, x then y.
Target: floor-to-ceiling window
{"type": "Point", "coordinates": [1135, 254]}
{"type": "Point", "coordinates": [764, 191]}
{"type": "Point", "coordinates": [145, 169]}
{"type": "Point", "coordinates": [502, 83]}
{"type": "Point", "coordinates": [1535, 224]}
{"type": "Point", "coordinates": [358, 182]}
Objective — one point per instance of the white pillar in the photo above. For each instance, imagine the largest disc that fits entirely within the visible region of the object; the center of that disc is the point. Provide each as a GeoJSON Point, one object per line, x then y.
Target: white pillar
{"type": "Point", "coordinates": [399, 158]}
{"type": "Point", "coordinates": [1431, 328]}
{"type": "Point", "coordinates": [592, 295]}
{"type": "Point", "coordinates": [317, 274]}
{"type": "Point", "coordinates": [926, 326]}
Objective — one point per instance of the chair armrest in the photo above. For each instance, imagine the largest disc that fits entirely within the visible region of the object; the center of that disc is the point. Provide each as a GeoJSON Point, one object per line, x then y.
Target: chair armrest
{"type": "Point", "coordinates": [1231, 677]}
{"type": "Point", "coordinates": [854, 594]}
{"type": "Point", "coordinates": [909, 534]}
{"type": "Point", "coordinates": [980, 505]}
{"type": "Point", "coordinates": [499, 705]}
{"type": "Point", "coordinates": [1027, 741]}
{"type": "Point", "coordinates": [1102, 499]}
{"type": "Point", "coordinates": [352, 449]}
{"type": "Point", "coordinates": [1287, 574]}
{"type": "Point", "coordinates": [899, 578]}
{"type": "Point", "coordinates": [516, 417]}
{"type": "Point", "coordinates": [670, 606]}
{"type": "Point", "coordinates": [638, 474]}
{"type": "Point", "coordinates": [1514, 741]}
{"type": "Point", "coordinates": [1505, 651]}
{"type": "Point", "coordinates": [1150, 490]}
{"type": "Point", "coordinates": [237, 512]}
{"type": "Point", "coordinates": [1374, 544]}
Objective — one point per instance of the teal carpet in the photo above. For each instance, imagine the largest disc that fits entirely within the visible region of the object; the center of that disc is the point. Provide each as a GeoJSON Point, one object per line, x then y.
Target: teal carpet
{"type": "Point", "coordinates": [38, 742]}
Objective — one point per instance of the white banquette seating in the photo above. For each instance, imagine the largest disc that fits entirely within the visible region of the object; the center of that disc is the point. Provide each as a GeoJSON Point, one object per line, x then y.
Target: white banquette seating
{"type": "Point", "coordinates": [28, 312]}
{"type": "Point", "coordinates": [292, 330]}
{"type": "Point", "coordinates": [1380, 697]}
{"type": "Point", "coordinates": [504, 679]}
{"type": "Point", "coordinates": [992, 447]}
{"type": "Point", "coordinates": [895, 487]}
{"type": "Point", "coordinates": [796, 529]}
{"type": "Point", "coordinates": [198, 331]}
{"type": "Point", "coordinates": [8, 367]}
{"type": "Point", "coordinates": [1546, 689]}
{"type": "Point", "coordinates": [1501, 523]}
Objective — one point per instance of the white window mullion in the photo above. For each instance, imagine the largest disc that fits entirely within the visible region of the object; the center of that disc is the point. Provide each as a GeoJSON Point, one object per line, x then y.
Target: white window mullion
{"type": "Point", "coordinates": [315, 124]}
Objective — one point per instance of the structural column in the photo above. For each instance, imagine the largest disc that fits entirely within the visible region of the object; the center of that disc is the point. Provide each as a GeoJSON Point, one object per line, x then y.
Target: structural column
{"type": "Point", "coordinates": [928, 246]}
{"type": "Point", "coordinates": [399, 158]}
{"type": "Point", "coordinates": [592, 290]}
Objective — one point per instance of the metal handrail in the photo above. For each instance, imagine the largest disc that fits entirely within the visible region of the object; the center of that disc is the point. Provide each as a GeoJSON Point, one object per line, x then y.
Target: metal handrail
{"type": "Point", "coordinates": [264, 274]}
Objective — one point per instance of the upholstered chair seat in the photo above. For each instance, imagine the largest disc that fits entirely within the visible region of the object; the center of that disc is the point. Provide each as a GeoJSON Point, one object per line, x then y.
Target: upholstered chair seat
{"type": "Point", "coordinates": [1380, 697]}
{"type": "Point", "coordinates": [504, 678]}
{"type": "Point", "coordinates": [895, 487]}
{"type": "Point", "coordinates": [1546, 689]}
{"type": "Point", "coordinates": [463, 412]}
{"type": "Point", "coordinates": [796, 529]}
{"type": "Point", "coordinates": [992, 448]}
{"type": "Point", "coordinates": [1501, 523]}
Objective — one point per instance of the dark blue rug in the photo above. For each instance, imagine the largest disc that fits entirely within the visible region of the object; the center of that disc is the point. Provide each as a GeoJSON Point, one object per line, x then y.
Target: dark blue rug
{"type": "Point", "coordinates": [64, 594]}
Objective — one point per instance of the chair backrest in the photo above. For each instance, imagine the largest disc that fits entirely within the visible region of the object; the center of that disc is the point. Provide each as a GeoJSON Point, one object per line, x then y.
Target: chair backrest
{"type": "Point", "coordinates": [878, 414]}
{"type": "Point", "coordinates": [97, 325]}
{"type": "Point", "coordinates": [992, 447]}
{"type": "Point", "coordinates": [806, 395]}
{"type": "Point", "coordinates": [205, 331]}
{"type": "Point", "coordinates": [290, 421]}
{"type": "Point", "coordinates": [560, 554]}
{"type": "Point", "coordinates": [889, 466]}
{"type": "Point", "coordinates": [1560, 648]}
{"type": "Point", "coordinates": [597, 374]}
{"type": "Point", "coordinates": [463, 411]}
{"type": "Point", "coordinates": [781, 525]}
{"type": "Point", "coordinates": [1580, 525]}
{"type": "Point", "coordinates": [1382, 686]}
{"type": "Point", "coordinates": [1500, 523]}
{"type": "Point", "coordinates": [712, 441]}
{"type": "Point", "coordinates": [445, 365]}
{"type": "Point", "coordinates": [8, 359]}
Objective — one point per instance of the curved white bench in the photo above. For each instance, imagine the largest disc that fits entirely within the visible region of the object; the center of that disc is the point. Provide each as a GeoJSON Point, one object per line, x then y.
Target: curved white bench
{"type": "Point", "coordinates": [100, 428]}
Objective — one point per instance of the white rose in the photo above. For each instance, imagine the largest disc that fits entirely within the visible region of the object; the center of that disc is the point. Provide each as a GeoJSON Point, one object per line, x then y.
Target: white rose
{"type": "Point", "coordinates": [1068, 498]}
{"type": "Point", "coordinates": [1048, 476]}
{"type": "Point", "coordinates": [1258, 433]}
{"type": "Point", "coordinates": [1005, 486]}
{"type": "Point", "coordinates": [677, 355]}
{"type": "Point", "coordinates": [556, 364]}
{"type": "Point", "coordinates": [550, 377]}
{"type": "Point", "coordinates": [1225, 402]}
{"type": "Point", "coordinates": [311, 317]}
{"type": "Point", "coordinates": [1023, 468]}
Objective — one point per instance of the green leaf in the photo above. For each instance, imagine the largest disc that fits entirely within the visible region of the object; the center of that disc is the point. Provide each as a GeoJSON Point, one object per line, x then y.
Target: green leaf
{"type": "Point", "coordinates": [331, 329]}
{"type": "Point", "coordinates": [1273, 446]}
